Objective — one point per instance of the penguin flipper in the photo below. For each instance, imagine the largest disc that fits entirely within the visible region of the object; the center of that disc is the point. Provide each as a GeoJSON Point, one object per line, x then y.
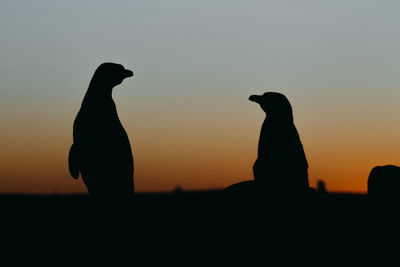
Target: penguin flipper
{"type": "Point", "coordinates": [73, 162]}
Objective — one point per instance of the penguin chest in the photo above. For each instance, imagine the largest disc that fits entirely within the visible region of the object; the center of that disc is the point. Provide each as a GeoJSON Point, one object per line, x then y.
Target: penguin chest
{"type": "Point", "coordinates": [103, 141]}
{"type": "Point", "coordinates": [280, 151]}
{"type": "Point", "coordinates": [116, 140]}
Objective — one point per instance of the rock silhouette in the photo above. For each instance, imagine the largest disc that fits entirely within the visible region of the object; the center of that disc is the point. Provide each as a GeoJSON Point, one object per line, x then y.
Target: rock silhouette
{"type": "Point", "coordinates": [101, 151]}
{"type": "Point", "coordinates": [384, 183]}
{"type": "Point", "coordinates": [281, 165]}
{"type": "Point", "coordinates": [321, 188]}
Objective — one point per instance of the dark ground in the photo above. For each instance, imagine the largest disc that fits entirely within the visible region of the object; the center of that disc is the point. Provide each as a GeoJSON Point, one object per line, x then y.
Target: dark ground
{"type": "Point", "coordinates": [199, 206]}
{"type": "Point", "coordinates": [190, 203]}
{"type": "Point", "coordinates": [200, 223]}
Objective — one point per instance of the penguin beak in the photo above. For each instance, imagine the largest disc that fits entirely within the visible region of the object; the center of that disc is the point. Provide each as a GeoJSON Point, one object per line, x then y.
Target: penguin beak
{"type": "Point", "coordinates": [128, 73]}
{"type": "Point", "coordinates": [255, 98]}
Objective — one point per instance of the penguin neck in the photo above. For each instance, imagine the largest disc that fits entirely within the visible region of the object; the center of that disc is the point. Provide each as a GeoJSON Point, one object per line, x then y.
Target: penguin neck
{"type": "Point", "coordinates": [99, 94]}
{"type": "Point", "coordinates": [281, 119]}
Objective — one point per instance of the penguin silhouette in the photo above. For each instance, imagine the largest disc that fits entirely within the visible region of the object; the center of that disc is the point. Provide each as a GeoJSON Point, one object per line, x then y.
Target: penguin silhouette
{"type": "Point", "coordinates": [101, 151]}
{"type": "Point", "coordinates": [384, 184]}
{"type": "Point", "coordinates": [281, 165]}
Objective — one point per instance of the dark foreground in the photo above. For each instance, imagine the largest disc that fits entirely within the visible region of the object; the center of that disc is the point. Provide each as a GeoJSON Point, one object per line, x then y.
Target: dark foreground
{"type": "Point", "coordinates": [200, 223]}
{"type": "Point", "coordinates": [207, 207]}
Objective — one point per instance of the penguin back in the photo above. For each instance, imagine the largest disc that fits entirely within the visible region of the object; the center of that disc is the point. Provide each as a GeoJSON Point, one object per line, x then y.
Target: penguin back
{"type": "Point", "coordinates": [73, 161]}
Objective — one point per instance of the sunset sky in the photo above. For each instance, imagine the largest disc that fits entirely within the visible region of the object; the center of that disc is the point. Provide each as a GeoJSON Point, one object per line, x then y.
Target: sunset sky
{"type": "Point", "coordinates": [186, 110]}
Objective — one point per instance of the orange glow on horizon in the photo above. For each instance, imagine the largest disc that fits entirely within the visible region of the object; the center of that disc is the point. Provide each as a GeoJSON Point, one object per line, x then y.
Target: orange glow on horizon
{"type": "Point", "coordinates": [214, 162]}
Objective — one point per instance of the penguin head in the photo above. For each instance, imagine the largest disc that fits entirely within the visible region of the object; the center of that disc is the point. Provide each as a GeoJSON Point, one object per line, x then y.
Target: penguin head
{"type": "Point", "coordinates": [108, 75]}
{"type": "Point", "coordinates": [274, 104]}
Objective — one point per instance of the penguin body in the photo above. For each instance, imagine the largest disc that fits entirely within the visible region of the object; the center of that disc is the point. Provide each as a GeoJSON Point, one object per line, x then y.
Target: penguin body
{"type": "Point", "coordinates": [281, 165]}
{"type": "Point", "coordinates": [384, 183]}
{"type": "Point", "coordinates": [101, 151]}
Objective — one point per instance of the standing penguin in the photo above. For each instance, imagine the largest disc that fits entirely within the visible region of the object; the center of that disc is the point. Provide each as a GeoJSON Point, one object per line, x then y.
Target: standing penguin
{"type": "Point", "coordinates": [101, 151]}
{"type": "Point", "coordinates": [281, 165]}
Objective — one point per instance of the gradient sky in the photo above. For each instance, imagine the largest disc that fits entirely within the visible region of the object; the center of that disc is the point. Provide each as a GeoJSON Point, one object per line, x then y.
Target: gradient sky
{"type": "Point", "coordinates": [186, 111]}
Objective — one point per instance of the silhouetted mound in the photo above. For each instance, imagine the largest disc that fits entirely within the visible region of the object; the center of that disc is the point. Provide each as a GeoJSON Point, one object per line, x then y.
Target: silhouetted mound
{"type": "Point", "coordinates": [281, 166]}
{"type": "Point", "coordinates": [101, 151]}
{"type": "Point", "coordinates": [241, 190]}
{"type": "Point", "coordinates": [384, 183]}
{"type": "Point", "coordinates": [259, 194]}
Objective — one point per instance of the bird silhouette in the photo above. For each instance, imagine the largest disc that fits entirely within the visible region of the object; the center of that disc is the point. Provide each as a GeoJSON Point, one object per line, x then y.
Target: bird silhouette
{"type": "Point", "coordinates": [281, 165]}
{"type": "Point", "coordinates": [101, 150]}
{"type": "Point", "coordinates": [384, 183]}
